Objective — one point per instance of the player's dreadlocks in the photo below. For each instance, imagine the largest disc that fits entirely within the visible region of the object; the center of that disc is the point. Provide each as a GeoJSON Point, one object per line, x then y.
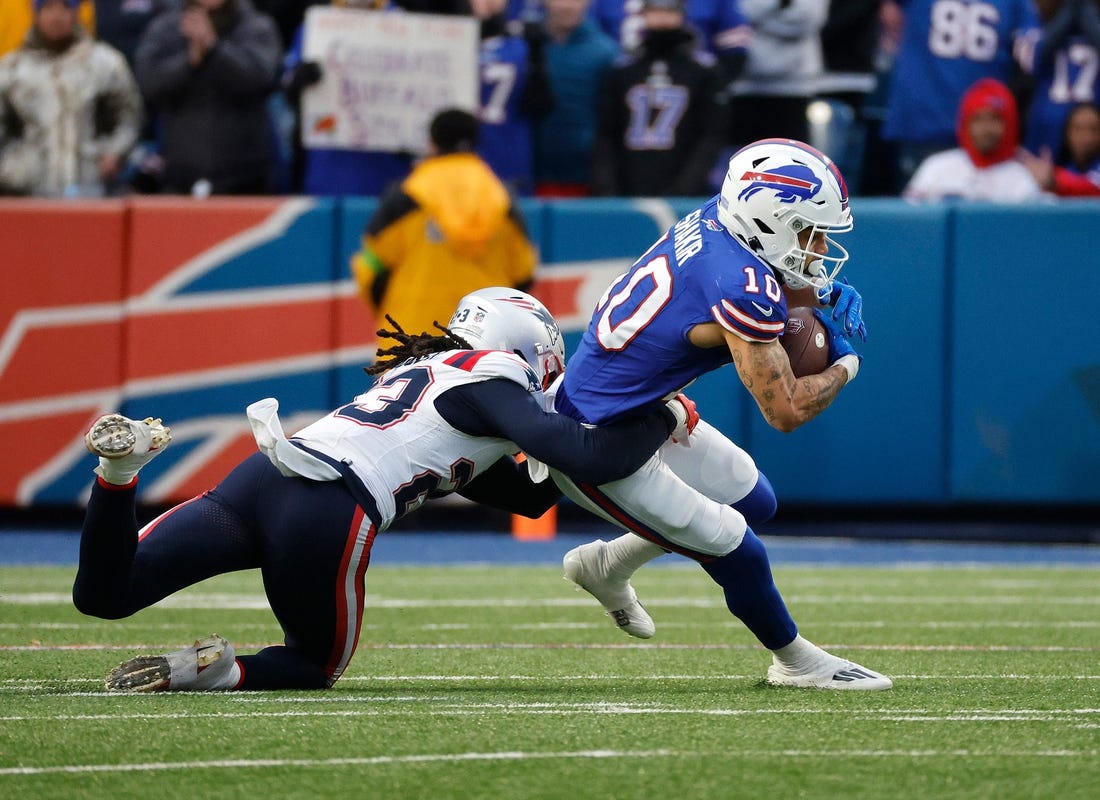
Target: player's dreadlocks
{"type": "Point", "coordinates": [413, 346]}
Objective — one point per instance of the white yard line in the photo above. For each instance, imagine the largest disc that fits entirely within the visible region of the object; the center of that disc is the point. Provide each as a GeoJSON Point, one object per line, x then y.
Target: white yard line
{"type": "Point", "coordinates": [900, 648]}
{"type": "Point", "coordinates": [1084, 624]}
{"type": "Point", "coordinates": [439, 707]}
{"type": "Point", "coordinates": [505, 711]}
{"type": "Point", "coordinates": [161, 766]}
{"type": "Point", "coordinates": [254, 601]}
{"type": "Point", "coordinates": [36, 684]}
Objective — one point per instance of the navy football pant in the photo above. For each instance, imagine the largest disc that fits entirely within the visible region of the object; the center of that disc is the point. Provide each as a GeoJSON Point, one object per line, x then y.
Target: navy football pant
{"type": "Point", "coordinates": [309, 539]}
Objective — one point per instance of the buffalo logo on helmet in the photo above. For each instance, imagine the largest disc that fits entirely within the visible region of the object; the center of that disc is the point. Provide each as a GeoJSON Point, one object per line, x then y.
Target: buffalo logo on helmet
{"type": "Point", "coordinates": [790, 182]}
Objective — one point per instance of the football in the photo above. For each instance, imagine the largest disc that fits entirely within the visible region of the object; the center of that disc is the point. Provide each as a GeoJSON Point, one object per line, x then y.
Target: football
{"type": "Point", "coordinates": [806, 342]}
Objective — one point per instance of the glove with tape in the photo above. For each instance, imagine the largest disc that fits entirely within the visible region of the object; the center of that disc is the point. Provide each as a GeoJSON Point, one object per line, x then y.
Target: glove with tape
{"type": "Point", "coordinates": [840, 349]}
{"type": "Point", "coordinates": [847, 305]}
{"type": "Point", "coordinates": [687, 417]}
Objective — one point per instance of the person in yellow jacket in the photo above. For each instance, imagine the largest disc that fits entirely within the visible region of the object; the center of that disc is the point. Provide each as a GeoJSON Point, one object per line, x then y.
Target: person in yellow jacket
{"type": "Point", "coordinates": [449, 229]}
{"type": "Point", "coordinates": [16, 17]}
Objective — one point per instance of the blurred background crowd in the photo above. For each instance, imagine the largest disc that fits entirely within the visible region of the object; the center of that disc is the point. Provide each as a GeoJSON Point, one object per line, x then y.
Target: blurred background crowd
{"type": "Point", "coordinates": [981, 99]}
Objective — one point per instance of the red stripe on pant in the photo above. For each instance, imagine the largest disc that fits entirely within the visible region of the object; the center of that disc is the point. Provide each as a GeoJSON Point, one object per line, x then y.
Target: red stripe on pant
{"type": "Point", "coordinates": [349, 586]}
{"type": "Point", "coordinates": [635, 525]}
{"type": "Point", "coordinates": [151, 525]}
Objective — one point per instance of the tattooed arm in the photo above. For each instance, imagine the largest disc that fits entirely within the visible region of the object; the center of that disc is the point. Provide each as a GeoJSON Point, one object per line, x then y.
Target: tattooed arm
{"type": "Point", "coordinates": [785, 401]}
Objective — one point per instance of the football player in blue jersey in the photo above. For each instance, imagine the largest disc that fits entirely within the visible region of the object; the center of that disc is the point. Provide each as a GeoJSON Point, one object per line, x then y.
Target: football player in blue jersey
{"type": "Point", "coordinates": [711, 291]}
{"type": "Point", "coordinates": [445, 415]}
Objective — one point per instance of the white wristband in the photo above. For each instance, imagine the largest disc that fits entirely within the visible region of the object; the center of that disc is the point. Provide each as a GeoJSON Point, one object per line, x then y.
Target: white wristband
{"type": "Point", "coordinates": [850, 364]}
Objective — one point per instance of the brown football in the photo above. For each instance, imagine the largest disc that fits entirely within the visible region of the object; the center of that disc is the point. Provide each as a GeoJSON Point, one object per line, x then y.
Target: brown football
{"type": "Point", "coordinates": [806, 342]}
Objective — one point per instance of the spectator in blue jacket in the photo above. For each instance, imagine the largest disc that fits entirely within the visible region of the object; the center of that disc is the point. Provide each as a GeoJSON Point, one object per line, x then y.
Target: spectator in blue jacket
{"type": "Point", "coordinates": [578, 57]}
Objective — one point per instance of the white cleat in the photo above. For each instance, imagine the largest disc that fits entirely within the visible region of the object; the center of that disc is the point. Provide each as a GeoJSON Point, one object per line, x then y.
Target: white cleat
{"type": "Point", "coordinates": [124, 445]}
{"type": "Point", "coordinates": [830, 672]}
{"type": "Point", "coordinates": [587, 567]}
{"type": "Point", "coordinates": [205, 666]}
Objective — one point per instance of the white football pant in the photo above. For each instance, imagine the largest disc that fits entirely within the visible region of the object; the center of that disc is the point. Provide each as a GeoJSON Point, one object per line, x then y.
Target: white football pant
{"type": "Point", "coordinates": [680, 498]}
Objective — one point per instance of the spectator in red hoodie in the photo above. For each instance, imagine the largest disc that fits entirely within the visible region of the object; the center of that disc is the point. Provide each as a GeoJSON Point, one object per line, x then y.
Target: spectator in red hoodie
{"type": "Point", "coordinates": [984, 166]}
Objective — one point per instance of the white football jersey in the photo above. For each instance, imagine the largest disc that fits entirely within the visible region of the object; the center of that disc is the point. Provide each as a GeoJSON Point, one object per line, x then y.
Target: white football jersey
{"type": "Point", "coordinates": [399, 446]}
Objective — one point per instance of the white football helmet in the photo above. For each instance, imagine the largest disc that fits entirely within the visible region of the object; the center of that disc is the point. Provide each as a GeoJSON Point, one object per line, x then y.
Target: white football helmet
{"type": "Point", "coordinates": [499, 318]}
{"type": "Point", "coordinates": [777, 188]}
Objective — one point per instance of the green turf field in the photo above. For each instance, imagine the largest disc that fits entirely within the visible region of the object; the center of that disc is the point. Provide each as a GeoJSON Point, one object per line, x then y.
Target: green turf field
{"type": "Point", "coordinates": [502, 682]}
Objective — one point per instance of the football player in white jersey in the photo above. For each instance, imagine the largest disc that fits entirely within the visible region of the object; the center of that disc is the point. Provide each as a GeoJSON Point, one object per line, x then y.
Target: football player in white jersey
{"type": "Point", "coordinates": [447, 414]}
{"type": "Point", "coordinates": [710, 292]}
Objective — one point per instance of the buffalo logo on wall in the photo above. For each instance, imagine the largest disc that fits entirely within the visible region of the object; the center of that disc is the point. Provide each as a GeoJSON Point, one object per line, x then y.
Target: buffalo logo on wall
{"type": "Point", "coordinates": [183, 311]}
{"type": "Point", "coordinates": [189, 312]}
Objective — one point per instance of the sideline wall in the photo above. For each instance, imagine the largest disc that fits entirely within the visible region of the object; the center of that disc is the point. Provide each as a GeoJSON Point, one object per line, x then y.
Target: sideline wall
{"type": "Point", "coordinates": [980, 382]}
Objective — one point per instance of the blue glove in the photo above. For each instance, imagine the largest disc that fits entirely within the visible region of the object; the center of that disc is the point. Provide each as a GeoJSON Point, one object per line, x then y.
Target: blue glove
{"type": "Point", "coordinates": [847, 304]}
{"type": "Point", "coordinates": [839, 346]}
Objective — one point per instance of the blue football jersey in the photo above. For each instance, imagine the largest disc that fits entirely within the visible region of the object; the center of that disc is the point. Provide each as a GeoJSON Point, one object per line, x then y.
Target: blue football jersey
{"type": "Point", "coordinates": [946, 46]}
{"type": "Point", "coordinates": [1072, 77]}
{"type": "Point", "coordinates": [506, 141]}
{"type": "Point", "coordinates": [636, 350]}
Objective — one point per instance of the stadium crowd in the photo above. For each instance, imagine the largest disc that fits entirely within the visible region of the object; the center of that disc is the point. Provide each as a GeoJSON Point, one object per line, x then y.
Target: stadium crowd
{"type": "Point", "coordinates": [578, 97]}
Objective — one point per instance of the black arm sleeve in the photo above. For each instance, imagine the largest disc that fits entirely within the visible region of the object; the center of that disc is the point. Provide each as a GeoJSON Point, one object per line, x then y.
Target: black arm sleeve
{"type": "Point", "coordinates": [507, 485]}
{"type": "Point", "coordinates": [504, 409]}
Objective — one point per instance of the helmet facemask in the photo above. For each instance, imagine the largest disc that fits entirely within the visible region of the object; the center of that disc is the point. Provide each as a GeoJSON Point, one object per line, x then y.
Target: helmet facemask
{"type": "Point", "coordinates": [550, 362]}
{"type": "Point", "coordinates": [802, 267]}
{"type": "Point", "coordinates": [776, 189]}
